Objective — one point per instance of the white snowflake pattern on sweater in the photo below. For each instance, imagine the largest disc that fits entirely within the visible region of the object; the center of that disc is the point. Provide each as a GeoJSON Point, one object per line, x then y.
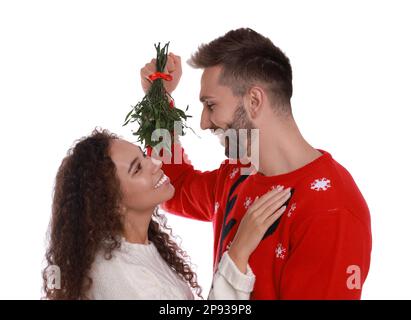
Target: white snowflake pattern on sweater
{"type": "Point", "coordinates": [279, 187]}
{"type": "Point", "coordinates": [216, 206]}
{"type": "Point", "coordinates": [234, 172]}
{"type": "Point", "coordinates": [247, 202]}
{"type": "Point", "coordinates": [280, 251]}
{"type": "Point", "coordinates": [321, 184]}
{"type": "Point", "coordinates": [292, 209]}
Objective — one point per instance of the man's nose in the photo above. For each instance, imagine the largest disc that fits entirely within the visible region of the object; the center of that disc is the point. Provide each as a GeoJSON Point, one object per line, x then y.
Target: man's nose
{"type": "Point", "coordinates": [205, 122]}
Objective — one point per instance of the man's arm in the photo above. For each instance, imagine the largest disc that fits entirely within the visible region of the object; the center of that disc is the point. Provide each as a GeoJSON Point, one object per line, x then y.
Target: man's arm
{"type": "Point", "coordinates": [329, 257]}
{"type": "Point", "coordinates": [194, 190]}
{"type": "Point", "coordinates": [194, 195]}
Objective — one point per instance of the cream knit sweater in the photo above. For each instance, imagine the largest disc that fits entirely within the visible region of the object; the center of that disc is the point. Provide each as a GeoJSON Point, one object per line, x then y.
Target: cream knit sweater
{"type": "Point", "coordinates": [137, 271]}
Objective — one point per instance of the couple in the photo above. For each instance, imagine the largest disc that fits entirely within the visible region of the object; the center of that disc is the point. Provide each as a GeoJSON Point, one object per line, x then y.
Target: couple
{"type": "Point", "coordinates": [317, 248]}
{"type": "Point", "coordinates": [110, 241]}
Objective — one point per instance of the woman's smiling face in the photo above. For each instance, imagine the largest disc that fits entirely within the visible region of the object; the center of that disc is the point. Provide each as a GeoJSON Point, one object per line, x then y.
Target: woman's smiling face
{"type": "Point", "coordinates": [143, 183]}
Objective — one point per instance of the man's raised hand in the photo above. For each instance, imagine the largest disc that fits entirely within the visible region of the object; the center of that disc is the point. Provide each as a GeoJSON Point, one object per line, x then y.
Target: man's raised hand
{"type": "Point", "coordinates": [173, 67]}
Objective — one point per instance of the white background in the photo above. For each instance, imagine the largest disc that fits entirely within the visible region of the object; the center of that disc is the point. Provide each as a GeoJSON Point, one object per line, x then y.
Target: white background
{"type": "Point", "coordinates": [68, 66]}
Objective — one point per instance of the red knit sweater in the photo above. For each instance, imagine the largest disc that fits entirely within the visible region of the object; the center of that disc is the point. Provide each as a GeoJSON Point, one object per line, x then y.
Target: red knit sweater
{"type": "Point", "coordinates": [319, 249]}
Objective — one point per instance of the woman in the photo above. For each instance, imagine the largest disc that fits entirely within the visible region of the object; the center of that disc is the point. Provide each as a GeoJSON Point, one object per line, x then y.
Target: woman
{"type": "Point", "coordinates": [110, 242]}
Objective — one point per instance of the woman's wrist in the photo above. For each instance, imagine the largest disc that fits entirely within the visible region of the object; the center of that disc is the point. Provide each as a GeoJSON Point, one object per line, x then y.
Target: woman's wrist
{"type": "Point", "coordinates": [239, 258]}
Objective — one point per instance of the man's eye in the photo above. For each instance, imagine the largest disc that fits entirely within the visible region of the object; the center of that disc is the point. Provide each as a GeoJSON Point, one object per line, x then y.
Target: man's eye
{"type": "Point", "coordinates": [210, 106]}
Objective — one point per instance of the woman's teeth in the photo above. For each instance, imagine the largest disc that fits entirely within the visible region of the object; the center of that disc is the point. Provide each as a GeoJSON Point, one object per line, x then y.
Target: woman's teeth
{"type": "Point", "coordinates": [161, 181]}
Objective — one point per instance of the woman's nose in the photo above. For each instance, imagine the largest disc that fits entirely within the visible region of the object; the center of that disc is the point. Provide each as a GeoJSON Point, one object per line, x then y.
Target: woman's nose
{"type": "Point", "coordinates": [157, 164]}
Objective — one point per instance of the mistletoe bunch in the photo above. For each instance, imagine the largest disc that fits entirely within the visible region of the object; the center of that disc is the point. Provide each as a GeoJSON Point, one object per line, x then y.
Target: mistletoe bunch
{"type": "Point", "coordinates": [157, 109]}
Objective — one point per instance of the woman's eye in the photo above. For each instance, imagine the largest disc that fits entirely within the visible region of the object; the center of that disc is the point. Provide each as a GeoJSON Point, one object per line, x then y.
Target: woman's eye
{"type": "Point", "coordinates": [138, 168]}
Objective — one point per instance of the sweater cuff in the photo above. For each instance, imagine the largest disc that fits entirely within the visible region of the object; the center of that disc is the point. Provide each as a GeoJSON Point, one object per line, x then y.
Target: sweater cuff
{"type": "Point", "coordinates": [237, 279]}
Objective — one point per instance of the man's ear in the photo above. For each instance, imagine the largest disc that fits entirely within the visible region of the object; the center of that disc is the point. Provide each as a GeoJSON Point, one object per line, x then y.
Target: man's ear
{"type": "Point", "coordinates": [255, 101]}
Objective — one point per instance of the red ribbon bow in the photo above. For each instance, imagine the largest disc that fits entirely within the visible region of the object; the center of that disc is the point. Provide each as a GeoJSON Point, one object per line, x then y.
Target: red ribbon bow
{"type": "Point", "coordinates": [160, 75]}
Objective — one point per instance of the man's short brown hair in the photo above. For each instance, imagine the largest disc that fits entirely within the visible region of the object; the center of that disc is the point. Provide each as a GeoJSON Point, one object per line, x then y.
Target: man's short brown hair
{"type": "Point", "coordinates": [248, 58]}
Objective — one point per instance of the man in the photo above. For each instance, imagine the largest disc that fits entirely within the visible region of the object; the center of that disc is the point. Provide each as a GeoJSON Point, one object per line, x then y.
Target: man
{"type": "Point", "coordinates": [320, 248]}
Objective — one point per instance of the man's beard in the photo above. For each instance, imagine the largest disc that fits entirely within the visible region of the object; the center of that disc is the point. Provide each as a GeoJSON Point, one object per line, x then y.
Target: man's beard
{"type": "Point", "coordinates": [234, 148]}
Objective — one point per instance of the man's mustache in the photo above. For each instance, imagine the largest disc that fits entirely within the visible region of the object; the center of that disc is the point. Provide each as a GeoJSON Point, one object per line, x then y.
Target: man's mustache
{"type": "Point", "coordinates": [230, 140]}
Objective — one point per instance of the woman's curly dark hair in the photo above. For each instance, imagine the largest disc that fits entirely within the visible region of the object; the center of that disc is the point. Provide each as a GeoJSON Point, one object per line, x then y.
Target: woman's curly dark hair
{"type": "Point", "coordinates": [86, 218]}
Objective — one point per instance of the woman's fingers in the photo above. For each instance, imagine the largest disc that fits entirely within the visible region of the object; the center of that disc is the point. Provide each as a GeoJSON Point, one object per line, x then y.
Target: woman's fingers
{"type": "Point", "coordinates": [273, 217]}
{"type": "Point", "coordinates": [263, 199]}
{"type": "Point", "coordinates": [274, 207]}
{"type": "Point", "coordinates": [274, 202]}
{"type": "Point", "coordinates": [255, 223]}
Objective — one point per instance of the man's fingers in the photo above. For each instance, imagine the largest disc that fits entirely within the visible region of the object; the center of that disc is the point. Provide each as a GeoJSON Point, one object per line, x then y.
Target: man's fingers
{"type": "Point", "coordinates": [175, 63]}
{"type": "Point", "coordinates": [170, 66]}
{"type": "Point", "coordinates": [149, 68]}
{"type": "Point", "coordinates": [172, 55]}
{"type": "Point", "coordinates": [150, 65]}
{"type": "Point", "coordinates": [176, 59]}
{"type": "Point", "coordinates": [146, 72]}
